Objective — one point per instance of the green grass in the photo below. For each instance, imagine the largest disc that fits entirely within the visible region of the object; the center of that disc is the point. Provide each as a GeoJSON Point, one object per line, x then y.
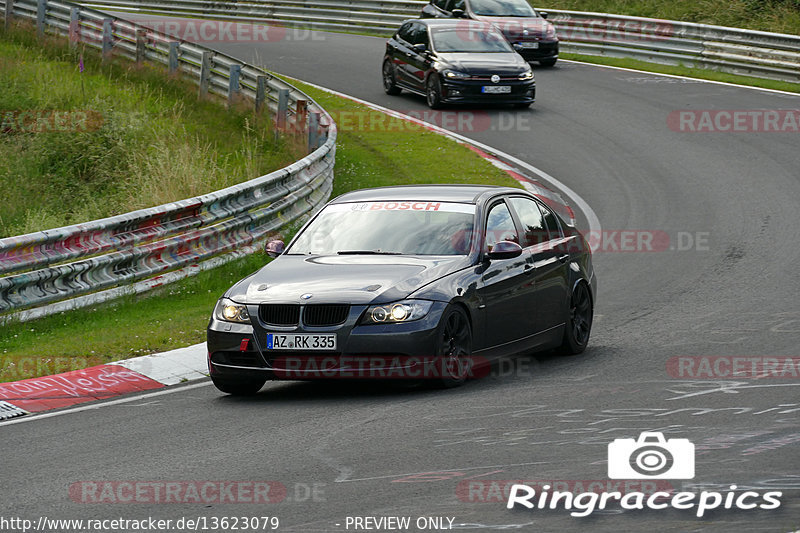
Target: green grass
{"type": "Point", "coordinates": [176, 315]}
{"type": "Point", "coordinates": [148, 139]}
{"type": "Point", "coordinates": [781, 16]}
{"type": "Point", "coordinates": [686, 71]}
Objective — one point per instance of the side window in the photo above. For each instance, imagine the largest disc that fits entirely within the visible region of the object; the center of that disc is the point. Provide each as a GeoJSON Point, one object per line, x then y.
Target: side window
{"type": "Point", "coordinates": [405, 31]}
{"type": "Point", "coordinates": [533, 229]}
{"type": "Point", "coordinates": [420, 35]}
{"type": "Point", "coordinates": [439, 3]}
{"type": "Point", "coordinates": [552, 223]}
{"type": "Point", "coordinates": [455, 4]}
{"type": "Point", "coordinates": [500, 226]}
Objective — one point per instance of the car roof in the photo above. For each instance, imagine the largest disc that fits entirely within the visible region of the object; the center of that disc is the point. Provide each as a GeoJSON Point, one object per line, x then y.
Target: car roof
{"type": "Point", "coordinates": [467, 194]}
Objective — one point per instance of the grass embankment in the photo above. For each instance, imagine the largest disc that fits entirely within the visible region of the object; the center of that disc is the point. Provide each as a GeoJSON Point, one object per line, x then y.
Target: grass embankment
{"type": "Point", "coordinates": [386, 152]}
{"type": "Point", "coordinates": [781, 16]}
{"type": "Point", "coordinates": [77, 147]}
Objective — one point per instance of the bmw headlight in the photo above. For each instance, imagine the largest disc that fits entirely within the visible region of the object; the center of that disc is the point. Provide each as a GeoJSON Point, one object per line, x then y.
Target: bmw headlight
{"type": "Point", "coordinates": [455, 75]}
{"type": "Point", "coordinates": [229, 311]}
{"type": "Point", "coordinates": [527, 76]}
{"type": "Point", "coordinates": [393, 313]}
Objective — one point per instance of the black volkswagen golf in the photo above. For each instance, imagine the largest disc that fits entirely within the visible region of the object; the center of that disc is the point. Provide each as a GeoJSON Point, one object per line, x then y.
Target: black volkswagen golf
{"type": "Point", "coordinates": [410, 281]}
{"type": "Point", "coordinates": [456, 62]}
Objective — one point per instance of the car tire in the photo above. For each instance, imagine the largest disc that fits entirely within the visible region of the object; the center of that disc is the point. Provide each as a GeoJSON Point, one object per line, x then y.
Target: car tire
{"type": "Point", "coordinates": [453, 346]}
{"type": "Point", "coordinates": [579, 322]}
{"type": "Point", "coordinates": [548, 62]}
{"type": "Point", "coordinates": [389, 81]}
{"type": "Point", "coordinates": [239, 386]}
{"type": "Point", "coordinates": [433, 92]}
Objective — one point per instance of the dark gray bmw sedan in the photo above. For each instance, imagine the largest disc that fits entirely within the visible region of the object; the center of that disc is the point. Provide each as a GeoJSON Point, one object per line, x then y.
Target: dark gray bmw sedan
{"type": "Point", "coordinates": [423, 282]}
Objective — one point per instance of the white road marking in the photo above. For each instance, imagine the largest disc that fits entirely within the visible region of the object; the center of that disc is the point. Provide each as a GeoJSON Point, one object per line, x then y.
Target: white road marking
{"type": "Point", "coordinates": [701, 80]}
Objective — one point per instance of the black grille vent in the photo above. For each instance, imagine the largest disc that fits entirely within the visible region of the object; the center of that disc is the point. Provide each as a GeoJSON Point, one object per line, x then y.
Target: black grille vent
{"type": "Point", "coordinates": [325, 314]}
{"type": "Point", "coordinates": [279, 314]}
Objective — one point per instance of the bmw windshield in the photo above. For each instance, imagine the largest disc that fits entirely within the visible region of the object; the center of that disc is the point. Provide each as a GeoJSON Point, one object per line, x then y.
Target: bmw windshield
{"type": "Point", "coordinates": [466, 39]}
{"type": "Point", "coordinates": [502, 8]}
{"type": "Point", "coordinates": [407, 228]}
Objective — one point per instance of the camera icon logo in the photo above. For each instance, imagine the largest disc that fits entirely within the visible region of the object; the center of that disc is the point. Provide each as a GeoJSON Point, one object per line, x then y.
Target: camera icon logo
{"type": "Point", "coordinates": [651, 457]}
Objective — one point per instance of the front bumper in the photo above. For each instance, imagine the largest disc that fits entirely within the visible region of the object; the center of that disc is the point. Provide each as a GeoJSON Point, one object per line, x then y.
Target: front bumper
{"type": "Point", "coordinates": [470, 92]}
{"type": "Point", "coordinates": [377, 351]}
{"type": "Point", "coordinates": [546, 50]}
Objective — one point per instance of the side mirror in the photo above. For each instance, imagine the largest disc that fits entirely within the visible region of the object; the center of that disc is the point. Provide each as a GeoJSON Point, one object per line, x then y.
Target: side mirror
{"type": "Point", "coordinates": [421, 48]}
{"type": "Point", "coordinates": [274, 248]}
{"type": "Point", "coordinates": [544, 14]}
{"type": "Point", "coordinates": [505, 250]}
{"type": "Point", "coordinates": [458, 13]}
{"type": "Point", "coordinates": [517, 47]}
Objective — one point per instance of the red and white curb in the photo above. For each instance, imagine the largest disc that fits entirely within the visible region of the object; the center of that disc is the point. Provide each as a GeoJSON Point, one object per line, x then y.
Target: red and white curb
{"type": "Point", "coordinates": [102, 382]}
{"type": "Point", "coordinates": [188, 364]}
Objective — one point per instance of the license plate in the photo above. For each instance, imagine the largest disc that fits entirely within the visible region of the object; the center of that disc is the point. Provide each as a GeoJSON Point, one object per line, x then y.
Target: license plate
{"type": "Point", "coordinates": [300, 341]}
{"type": "Point", "coordinates": [532, 46]}
{"type": "Point", "coordinates": [496, 89]}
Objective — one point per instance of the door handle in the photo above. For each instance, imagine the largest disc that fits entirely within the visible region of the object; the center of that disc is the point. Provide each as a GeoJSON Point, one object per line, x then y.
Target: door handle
{"type": "Point", "coordinates": [563, 258]}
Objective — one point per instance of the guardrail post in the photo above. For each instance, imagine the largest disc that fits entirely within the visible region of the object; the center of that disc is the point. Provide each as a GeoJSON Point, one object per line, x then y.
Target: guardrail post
{"type": "Point", "coordinates": [283, 109]}
{"type": "Point", "coordinates": [233, 83]}
{"type": "Point", "coordinates": [261, 92]}
{"type": "Point", "coordinates": [300, 115]}
{"type": "Point", "coordinates": [74, 26]}
{"type": "Point", "coordinates": [41, 10]}
{"type": "Point", "coordinates": [9, 10]}
{"type": "Point", "coordinates": [141, 45]}
{"type": "Point", "coordinates": [173, 57]}
{"type": "Point", "coordinates": [313, 131]}
{"type": "Point", "coordinates": [108, 38]}
{"type": "Point", "coordinates": [205, 73]}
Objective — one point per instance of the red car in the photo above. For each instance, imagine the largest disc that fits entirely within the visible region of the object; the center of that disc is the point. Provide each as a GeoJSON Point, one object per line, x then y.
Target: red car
{"type": "Point", "coordinates": [520, 23]}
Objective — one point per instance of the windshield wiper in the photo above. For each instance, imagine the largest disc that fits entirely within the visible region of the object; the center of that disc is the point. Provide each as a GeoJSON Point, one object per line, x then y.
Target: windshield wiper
{"type": "Point", "coordinates": [367, 252]}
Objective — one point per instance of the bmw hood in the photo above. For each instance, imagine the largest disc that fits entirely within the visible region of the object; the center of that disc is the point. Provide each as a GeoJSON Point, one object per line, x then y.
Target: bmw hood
{"type": "Point", "coordinates": [352, 279]}
{"type": "Point", "coordinates": [502, 64]}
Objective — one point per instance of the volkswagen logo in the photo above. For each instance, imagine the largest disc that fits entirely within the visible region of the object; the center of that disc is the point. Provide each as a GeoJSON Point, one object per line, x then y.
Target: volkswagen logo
{"type": "Point", "coordinates": [306, 296]}
{"type": "Point", "coordinates": [495, 78]}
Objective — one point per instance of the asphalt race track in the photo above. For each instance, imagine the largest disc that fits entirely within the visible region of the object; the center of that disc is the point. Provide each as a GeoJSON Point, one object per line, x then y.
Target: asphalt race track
{"type": "Point", "coordinates": [725, 284]}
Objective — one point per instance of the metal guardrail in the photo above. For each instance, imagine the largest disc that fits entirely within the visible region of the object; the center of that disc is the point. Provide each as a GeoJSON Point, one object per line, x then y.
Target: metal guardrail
{"type": "Point", "coordinates": [746, 52]}
{"type": "Point", "coordinates": [738, 51]}
{"type": "Point", "coordinates": [67, 262]}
